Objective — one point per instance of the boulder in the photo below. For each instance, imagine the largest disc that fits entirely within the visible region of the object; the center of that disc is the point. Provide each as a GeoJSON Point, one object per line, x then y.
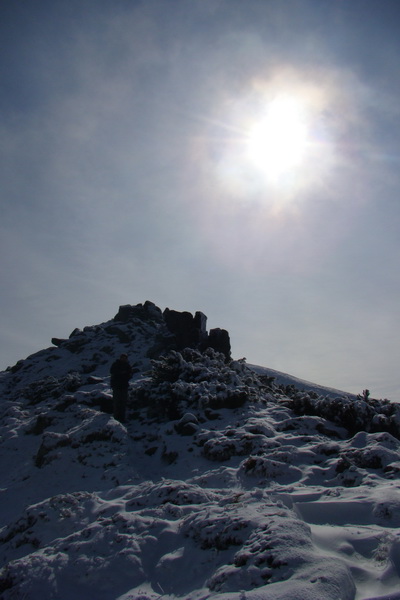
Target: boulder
{"type": "Point", "coordinates": [58, 341]}
{"type": "Point", "coordinates": [187, 425]}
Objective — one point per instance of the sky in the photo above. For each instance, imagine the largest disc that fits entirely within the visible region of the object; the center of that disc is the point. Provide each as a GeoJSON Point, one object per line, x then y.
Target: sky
{"type": "Point", "coordinates": [237, 157]}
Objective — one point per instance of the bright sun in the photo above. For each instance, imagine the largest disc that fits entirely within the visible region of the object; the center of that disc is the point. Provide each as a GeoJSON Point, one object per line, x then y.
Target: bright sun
{"type": "Point", "coordinates": [278, 142]}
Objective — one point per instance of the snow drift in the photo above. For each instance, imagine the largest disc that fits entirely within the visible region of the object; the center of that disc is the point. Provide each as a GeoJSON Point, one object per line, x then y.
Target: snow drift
{"type": "Point", "coordinates": [229, 481]}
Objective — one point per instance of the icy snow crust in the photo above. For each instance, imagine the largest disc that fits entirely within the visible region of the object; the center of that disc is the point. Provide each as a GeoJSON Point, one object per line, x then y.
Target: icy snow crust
{"type": "Point", "coordinates": [224, 483]}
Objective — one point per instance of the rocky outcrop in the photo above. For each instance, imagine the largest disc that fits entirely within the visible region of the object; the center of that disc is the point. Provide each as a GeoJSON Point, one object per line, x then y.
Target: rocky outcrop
{"type": "Point", "coordinates": [163, 331]}
{"type": "Point", "coordinates": [190, 332]}
{"type": "Point", "coordinates": [219, 340]}
{"type": "Point", "coordinates": [145, 312]}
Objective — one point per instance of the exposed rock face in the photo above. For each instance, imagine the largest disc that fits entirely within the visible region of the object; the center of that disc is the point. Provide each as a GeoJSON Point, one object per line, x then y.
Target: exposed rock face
{"type": "Point", "coordinates": [219, 340]}
{"type": "Point", "coordinates": [190, 332]}
{"type": "Point", "coordinates": [146, 311]}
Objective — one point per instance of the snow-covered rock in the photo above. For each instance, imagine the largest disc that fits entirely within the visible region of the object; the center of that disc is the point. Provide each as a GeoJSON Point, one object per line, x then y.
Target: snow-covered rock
{"type": "Point", "coordinates": [227, 482]}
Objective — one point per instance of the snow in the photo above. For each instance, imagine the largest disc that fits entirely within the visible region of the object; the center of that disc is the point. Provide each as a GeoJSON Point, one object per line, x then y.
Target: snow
{"type": "Point", "coordinates": [224, 484]}
{"type": "Point", "coordinates": [300, 384]}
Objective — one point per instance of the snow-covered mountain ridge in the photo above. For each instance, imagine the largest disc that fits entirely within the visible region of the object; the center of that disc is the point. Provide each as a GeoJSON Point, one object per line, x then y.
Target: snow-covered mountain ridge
{"type": "Point", "coordinates": [228, 481]}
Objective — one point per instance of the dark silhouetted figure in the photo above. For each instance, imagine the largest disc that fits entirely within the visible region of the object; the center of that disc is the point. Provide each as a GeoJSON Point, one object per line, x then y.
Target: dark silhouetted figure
{"type": "Point", "coordinates": [121, 372]}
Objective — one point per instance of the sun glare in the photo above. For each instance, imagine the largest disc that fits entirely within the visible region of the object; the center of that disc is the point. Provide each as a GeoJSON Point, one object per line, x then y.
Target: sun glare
{"type": "Point", "coordinates": [278, 142]}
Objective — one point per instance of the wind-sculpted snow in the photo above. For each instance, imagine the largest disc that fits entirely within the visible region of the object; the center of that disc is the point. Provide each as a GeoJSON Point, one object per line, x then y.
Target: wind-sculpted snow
{"type": "Point", "coordinates": [219, 487]}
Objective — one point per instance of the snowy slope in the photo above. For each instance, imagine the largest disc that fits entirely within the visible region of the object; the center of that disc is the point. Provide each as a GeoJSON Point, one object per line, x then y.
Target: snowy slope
{"type": "Point", "coordinates": [223, 484]}
{"type": "Point", "coordinates": [300, 384]}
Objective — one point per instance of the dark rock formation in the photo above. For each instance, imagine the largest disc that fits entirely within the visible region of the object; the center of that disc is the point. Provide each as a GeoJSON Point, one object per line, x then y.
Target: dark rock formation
{"type": "Point", "coordinates": [190, 332]}
{"type": "Point", "coordinates": [145, 312]}
{"type": "Point", "coordinates": [169, 330]}
{"type": "Point", "coordinates": [219, 340]}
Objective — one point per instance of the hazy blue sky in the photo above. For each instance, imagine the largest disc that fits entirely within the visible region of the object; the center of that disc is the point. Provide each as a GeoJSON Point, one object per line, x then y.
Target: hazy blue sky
{"type": "Point", "coordinates": [128, 173]}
